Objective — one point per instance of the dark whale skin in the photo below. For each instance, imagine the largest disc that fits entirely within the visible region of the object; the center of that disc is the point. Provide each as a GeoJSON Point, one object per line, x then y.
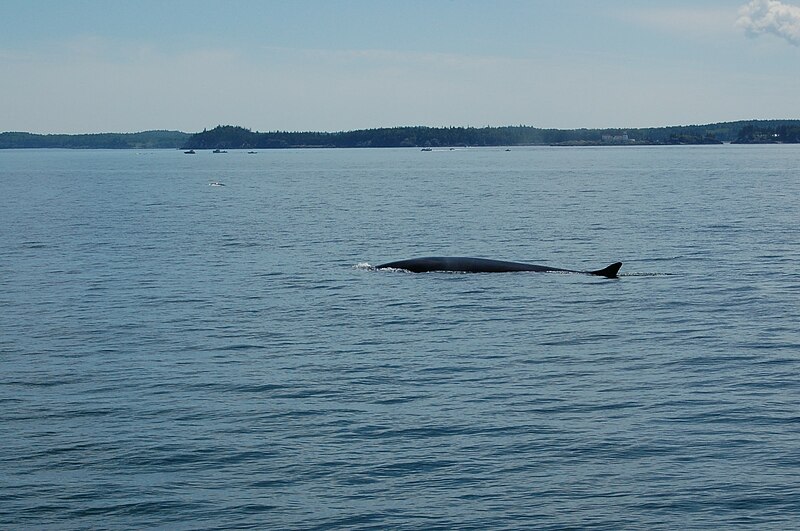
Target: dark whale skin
{"type": "Point", "coordinates": [463, 264]}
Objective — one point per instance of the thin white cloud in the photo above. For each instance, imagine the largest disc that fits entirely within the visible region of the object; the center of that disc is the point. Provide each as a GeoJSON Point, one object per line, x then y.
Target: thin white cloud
{"type": "Point", "coordinates": [771, 16]}
{"type": "Point", "coordinates": [682, 20]}
{"type": "Point", "coordinates": [95, 85]}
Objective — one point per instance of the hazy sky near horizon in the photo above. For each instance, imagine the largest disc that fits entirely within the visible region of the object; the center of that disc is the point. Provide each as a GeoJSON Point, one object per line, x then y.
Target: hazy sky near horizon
{"type": "Point", "coordinates": [81, 66]}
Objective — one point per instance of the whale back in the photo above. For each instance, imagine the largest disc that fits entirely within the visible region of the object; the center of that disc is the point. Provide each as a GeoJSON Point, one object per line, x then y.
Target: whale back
{"type": "Point", "coordinates": [464, 264]}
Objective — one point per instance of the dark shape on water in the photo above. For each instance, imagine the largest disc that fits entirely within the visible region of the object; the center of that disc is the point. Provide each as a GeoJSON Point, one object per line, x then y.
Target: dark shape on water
{"type": "Point", "coordinates": [190, 152]}
{"type": "Point", "coordinates": [462, 264]}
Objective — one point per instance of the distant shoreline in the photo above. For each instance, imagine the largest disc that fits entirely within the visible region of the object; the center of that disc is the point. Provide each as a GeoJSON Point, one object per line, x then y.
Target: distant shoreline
{"type": "Point", "coordinates": [235, 137]}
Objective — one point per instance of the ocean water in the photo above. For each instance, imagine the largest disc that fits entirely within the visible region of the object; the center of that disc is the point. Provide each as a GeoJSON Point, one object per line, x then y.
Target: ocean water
{"type": "Point", "coordinates": [175, 355]}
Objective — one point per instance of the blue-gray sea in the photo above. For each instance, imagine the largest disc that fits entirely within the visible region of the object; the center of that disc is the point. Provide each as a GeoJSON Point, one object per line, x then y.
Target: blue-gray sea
{"type": "Point", "coordinates": [175, 355]}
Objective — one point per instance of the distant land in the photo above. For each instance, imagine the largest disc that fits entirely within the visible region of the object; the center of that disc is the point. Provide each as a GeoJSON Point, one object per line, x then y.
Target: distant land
{"type": "Point", "coordinates": [143, 140]}
{"type": "Point", "coordinates": [234, 137]}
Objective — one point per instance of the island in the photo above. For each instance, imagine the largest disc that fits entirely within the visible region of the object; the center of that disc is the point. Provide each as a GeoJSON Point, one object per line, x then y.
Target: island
{"type": "Point", "coordinates": [225, 137]}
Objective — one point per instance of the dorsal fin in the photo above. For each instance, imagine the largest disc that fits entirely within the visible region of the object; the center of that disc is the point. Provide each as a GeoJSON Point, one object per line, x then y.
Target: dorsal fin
{"type": "Point", "coordinates": [608, 272]}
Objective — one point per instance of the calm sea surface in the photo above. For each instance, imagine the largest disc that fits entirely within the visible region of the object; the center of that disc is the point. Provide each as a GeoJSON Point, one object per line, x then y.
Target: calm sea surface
{"type": "Point", "coordinates": [183, 356]}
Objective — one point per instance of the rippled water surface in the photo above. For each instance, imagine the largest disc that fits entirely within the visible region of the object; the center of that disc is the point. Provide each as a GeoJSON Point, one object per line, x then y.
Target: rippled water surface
{"type": "Point", "coordinates": [185, 356]}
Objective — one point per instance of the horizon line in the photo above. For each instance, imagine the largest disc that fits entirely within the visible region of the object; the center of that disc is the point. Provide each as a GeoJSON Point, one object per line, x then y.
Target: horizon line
{"type": "Point", "coordinates": [405, 126]}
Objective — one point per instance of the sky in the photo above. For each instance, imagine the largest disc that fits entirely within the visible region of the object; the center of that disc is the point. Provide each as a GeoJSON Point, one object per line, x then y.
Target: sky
{"type": "Point", "coordinates": [81, 66]}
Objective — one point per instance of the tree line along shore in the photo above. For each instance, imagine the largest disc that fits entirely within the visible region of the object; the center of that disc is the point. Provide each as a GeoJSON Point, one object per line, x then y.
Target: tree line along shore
{"type": "Point", "coordinates": [235, 137]}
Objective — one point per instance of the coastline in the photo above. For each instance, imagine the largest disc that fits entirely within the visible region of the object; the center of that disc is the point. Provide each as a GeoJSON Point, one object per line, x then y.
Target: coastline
{"type": "Point", "coordinates": [236, 137]}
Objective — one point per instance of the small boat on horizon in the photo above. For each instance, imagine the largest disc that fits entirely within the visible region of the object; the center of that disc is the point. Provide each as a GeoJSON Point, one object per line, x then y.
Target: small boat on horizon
{"type": "Point", "coordinates": [219, 151]}
{"type": "Point", "coordinates": [216, 183]}
{"type": "Point", "coordinates": [190, 152]}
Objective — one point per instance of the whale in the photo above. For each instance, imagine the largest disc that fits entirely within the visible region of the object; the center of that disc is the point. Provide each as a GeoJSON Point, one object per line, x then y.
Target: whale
{"type": "Point", "coordinates": [463, 264]}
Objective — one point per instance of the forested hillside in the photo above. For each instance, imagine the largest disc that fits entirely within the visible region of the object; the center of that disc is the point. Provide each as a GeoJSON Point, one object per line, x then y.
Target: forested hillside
{"type": "Point", "coordinates": [234, 137]}
{"type": "Point", "coordinates": [143, 140]}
